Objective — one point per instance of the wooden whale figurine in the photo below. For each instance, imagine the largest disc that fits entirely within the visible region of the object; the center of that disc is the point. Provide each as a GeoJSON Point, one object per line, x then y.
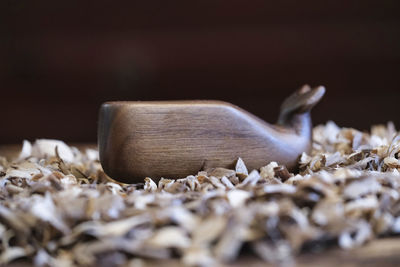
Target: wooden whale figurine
{"type": "Point", "coordinates": [173, 139]}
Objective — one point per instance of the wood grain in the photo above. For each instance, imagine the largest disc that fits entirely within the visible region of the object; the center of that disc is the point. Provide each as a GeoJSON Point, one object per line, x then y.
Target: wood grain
{"type": "Point", "coordinates": [173, 139]}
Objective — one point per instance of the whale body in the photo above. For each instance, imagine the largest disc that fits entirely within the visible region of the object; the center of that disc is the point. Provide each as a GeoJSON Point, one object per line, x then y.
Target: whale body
{"type": "Point", "coordinates": [174, 139]}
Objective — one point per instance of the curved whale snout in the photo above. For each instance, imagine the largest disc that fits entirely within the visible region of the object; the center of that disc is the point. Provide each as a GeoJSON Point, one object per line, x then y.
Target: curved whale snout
{"type": "Point", "coordinates": [174, 139]}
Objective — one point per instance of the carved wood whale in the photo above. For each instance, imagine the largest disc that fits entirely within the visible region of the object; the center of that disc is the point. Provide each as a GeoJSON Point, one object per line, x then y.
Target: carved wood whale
{"type": "Point", "coordinates": [173, 139]}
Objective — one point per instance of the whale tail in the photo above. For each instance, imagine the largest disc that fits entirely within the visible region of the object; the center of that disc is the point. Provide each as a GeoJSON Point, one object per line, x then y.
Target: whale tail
{"type": "Point", "coordinates": [301, 101]}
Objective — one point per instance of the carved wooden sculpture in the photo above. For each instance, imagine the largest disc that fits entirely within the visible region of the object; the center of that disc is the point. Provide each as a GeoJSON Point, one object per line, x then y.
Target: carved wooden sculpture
{"type": "Point", "coordinates": [173, 139]}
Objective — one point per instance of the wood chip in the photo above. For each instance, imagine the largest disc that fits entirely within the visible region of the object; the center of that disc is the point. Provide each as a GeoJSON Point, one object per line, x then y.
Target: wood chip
{"type": "Point", "coordinates": [58, 208]}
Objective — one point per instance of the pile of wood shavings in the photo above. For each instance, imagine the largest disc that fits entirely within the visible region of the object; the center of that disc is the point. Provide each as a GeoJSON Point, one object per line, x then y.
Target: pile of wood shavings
{"type": "Point", "coordinates": [58, 208]}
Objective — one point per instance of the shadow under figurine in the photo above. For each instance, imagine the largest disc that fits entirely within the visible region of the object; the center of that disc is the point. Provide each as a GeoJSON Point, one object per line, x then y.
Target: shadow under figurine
{"type": "Point", "coordinates": [174, 139]}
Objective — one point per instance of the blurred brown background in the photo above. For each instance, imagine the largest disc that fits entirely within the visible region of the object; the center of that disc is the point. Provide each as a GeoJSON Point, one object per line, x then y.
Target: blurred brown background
{"type": "Point", "coordinates": [59, 60]}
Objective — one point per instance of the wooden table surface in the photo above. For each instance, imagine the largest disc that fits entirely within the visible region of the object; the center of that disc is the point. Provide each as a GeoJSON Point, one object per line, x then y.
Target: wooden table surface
{"type": "Point", "coordinates": [380, 252]}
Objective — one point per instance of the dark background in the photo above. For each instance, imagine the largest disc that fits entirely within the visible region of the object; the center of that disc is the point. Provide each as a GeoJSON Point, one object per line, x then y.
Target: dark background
{"type": "Point", "coordinates": [59, 60]}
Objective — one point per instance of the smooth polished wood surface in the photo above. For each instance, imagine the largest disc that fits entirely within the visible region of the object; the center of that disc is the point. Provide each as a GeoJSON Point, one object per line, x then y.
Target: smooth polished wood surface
{"type": "Point", "coordinates": [173, 139]}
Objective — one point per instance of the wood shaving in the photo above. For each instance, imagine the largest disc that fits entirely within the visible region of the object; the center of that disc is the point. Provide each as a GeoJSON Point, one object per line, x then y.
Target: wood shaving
{"type": "Point", "coordinates": [58, 207]}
